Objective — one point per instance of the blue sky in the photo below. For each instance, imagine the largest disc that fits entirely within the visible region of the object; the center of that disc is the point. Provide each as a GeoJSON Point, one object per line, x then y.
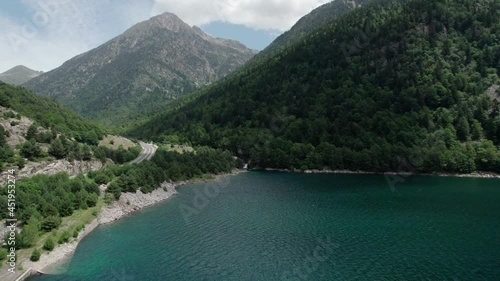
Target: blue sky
{"type": "Point", "coordinates": [43, 34]}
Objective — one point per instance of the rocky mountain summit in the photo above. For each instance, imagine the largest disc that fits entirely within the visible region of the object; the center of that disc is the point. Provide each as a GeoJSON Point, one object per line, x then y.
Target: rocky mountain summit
{"type": "Point", "coordinates": [19, 75]}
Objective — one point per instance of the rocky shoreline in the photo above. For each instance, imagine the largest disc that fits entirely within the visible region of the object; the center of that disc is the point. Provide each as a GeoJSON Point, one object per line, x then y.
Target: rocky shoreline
{"type": "Point", "coordinates": [128, 203]}
{"type": "Point", "coordinates": [406, 174]}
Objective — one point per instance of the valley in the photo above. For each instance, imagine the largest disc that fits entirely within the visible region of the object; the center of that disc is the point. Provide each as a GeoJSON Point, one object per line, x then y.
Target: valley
{"type": "Point", "coordinates": [367, 130]}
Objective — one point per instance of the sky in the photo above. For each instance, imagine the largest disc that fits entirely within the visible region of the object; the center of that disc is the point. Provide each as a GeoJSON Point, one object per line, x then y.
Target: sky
{"type": "Point", "coordinates": [43, 34]}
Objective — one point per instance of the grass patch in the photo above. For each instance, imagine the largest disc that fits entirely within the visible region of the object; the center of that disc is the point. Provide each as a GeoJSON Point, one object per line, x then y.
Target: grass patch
{"type": "Point", "coordinates": [114, 142]}
{"type": "Point", "coordinates": [177, 148]}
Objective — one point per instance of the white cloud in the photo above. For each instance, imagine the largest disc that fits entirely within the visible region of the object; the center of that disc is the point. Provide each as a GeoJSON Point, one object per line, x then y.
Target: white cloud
{"type": "Point", "coordinates": [259, 14]}
{"type": "Point", "coordinates": [53, 31]}
{"type": "Point", "coordinates": [49, 32]}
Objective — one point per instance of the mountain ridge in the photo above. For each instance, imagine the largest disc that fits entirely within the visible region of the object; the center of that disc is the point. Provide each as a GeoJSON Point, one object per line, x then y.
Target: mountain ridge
{"type": "Point", "coordinates": [390, 83]}
{"type": "Point", "coordinates": [141, 70]}
{"type": "Point", "coordinates": [19, 74]}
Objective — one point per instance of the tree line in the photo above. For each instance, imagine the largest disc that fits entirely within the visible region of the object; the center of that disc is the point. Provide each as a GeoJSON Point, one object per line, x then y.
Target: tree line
{"type": "Point", "coordinates": [389, 83]}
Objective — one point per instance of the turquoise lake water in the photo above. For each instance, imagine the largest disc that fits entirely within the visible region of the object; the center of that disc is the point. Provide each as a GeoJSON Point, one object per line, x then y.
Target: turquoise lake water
{"type": "Point", "coordinates": [285, 226]}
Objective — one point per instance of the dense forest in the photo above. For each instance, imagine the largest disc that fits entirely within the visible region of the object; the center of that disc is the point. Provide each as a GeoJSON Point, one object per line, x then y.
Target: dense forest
{"type": "Point", "coordinates": [42, 201]}
{"type": "Point", "coordinates": [391, 86]}
{"type": "Point", "coordinates": [164, 166]}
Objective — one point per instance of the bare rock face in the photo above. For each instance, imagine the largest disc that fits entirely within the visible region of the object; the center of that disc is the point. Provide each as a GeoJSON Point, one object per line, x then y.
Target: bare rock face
{"type": "Point", "coordinates": [494, 92]}
{"type": "Point", "coordinates": [53, 167]}
{"type": "Point", "coordinates": [16, 128]}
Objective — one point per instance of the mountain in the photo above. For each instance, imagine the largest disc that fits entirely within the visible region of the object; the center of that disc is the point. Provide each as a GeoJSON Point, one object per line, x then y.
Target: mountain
{"type": "Point", "coordinates": [309, 23]}
{"type": "Point", "coordinates": [140, 71]}
{"type": "Point", "coordinates": [48, 114]}
{"type": "Point", "coordinates": [390, 86]}
{"type": "Point", "coordinates": [314, 20]}
{"type": "Point", "coordinates": [19, 75]}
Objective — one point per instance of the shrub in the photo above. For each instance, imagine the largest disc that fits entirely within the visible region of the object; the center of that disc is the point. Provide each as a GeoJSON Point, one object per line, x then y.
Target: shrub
{"type": "Point", "coordinates": [64, 237]}
{"type": "Point", "coordinates": [35, 255]}
{"type": "Point", "coordinates": [49, 244]}
{"type": "Point", "coordinates": [3, 253]}
{"type": "Point", "coordinates": [50, 222]}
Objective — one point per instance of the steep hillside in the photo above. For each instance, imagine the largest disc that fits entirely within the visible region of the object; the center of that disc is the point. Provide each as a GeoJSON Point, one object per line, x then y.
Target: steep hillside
{"type": "Point", "coordinates": [389, 86]}
{"type": "Point", "coordinates": [140, 71]}
{"type": "Point", "coordinates": [19, 75]}
{"type": "Point", "coordinates": [49, 114]}
{"type": "Point", "coordinates": [307, 24]}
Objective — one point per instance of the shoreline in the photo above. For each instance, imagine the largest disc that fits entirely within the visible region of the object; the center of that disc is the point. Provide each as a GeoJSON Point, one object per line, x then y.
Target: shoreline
{"type": "Point", "coordinates": [485, 175]}
{"type": "Point", "coordinates": [128, 203]}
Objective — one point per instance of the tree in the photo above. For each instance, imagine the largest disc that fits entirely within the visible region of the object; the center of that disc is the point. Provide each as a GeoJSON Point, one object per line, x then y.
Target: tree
{"type": "Point", "coordinates": [86, 153]}
{"type": "Point", "coordinates": [57, 149]}
{"type": "Point", "coordinates": [31, 150]}
{"type": "Point", "coordinates": [114, 189]}
{"type": "Point", "coordinates": [50, 222]}
{"type": "Point", "coordinates": [92, 200]}
{"type": "Point", "coordinates": [49, 244]}
{"type": "Point", "coordinates": [463, 129]}
{"type": "Point", "coordinates": [28, 236]}
{"type": "Point", "coordinates": [31, 133]}
{"type": "Point", "coordinates": [35, 255]}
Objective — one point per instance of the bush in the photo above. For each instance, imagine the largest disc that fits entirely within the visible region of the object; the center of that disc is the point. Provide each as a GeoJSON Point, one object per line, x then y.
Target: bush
{"type": "Point", "coordinates": [64, 237]}
{"type": "Point", "coordinates": [35, 255]}
{"type": "Point", "coordinates": [50, 222]}
{"type": "Point", "coordinates": [31, 150]}
{"type": "Point", "coordinates": [49, 244]}
{"type": "Point", "coordinates": [114, 189]}
{"type": "Point", "coordinates": [75, 233]}
{"type": "Point", "coordinates": [102, 178]}
{"type": "Point", "coordinates": [92, 200]}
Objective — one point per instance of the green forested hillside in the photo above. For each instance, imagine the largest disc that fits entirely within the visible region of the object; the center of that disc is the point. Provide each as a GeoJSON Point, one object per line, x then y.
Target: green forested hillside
{"type": "Point", "coordinates": [309, 23]}
{"type": "Point", "coordinates": [49, 114]}
{"type": "Point", "coordinates": [389, 86]}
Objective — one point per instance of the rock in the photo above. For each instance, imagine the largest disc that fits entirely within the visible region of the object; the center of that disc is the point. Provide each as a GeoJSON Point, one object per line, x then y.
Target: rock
{"type": "Point", "coordinates": [16, 128]}
{"type": "Point", "coordinates": [53, 167]}
{"type": "Point", "coordinates": [131, 202]}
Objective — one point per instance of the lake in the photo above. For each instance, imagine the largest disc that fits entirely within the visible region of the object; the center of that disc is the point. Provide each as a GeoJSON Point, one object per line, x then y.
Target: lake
{"type": "Point", "coordinates": [288, 226]}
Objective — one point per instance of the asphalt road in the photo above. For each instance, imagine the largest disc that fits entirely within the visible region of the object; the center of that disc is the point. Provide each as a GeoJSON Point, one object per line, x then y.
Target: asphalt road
{"type": "Point", "coordinates": [148, 151]}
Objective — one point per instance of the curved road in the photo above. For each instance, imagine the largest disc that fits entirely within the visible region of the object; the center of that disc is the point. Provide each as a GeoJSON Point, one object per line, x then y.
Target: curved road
{"type": "Point", "coordinates": [148, 151]}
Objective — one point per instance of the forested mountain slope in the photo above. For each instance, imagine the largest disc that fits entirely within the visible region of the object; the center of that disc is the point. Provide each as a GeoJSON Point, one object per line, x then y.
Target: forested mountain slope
{"type": "Point", "coordinates": [49, 113]}
{"type": "Point", "coordinates": [309, 23]}
{"type": "Point", "coordinates": [385, 87]}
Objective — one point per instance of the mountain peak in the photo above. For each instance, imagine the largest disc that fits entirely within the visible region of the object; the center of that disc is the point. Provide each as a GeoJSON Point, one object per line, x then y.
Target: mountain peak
{"type": "Point", "coordinates": [137, 73]}
{"type": "Point", "coordinates": [168, 21]}
{"type": "Point", "coordinates": [19, 74]}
